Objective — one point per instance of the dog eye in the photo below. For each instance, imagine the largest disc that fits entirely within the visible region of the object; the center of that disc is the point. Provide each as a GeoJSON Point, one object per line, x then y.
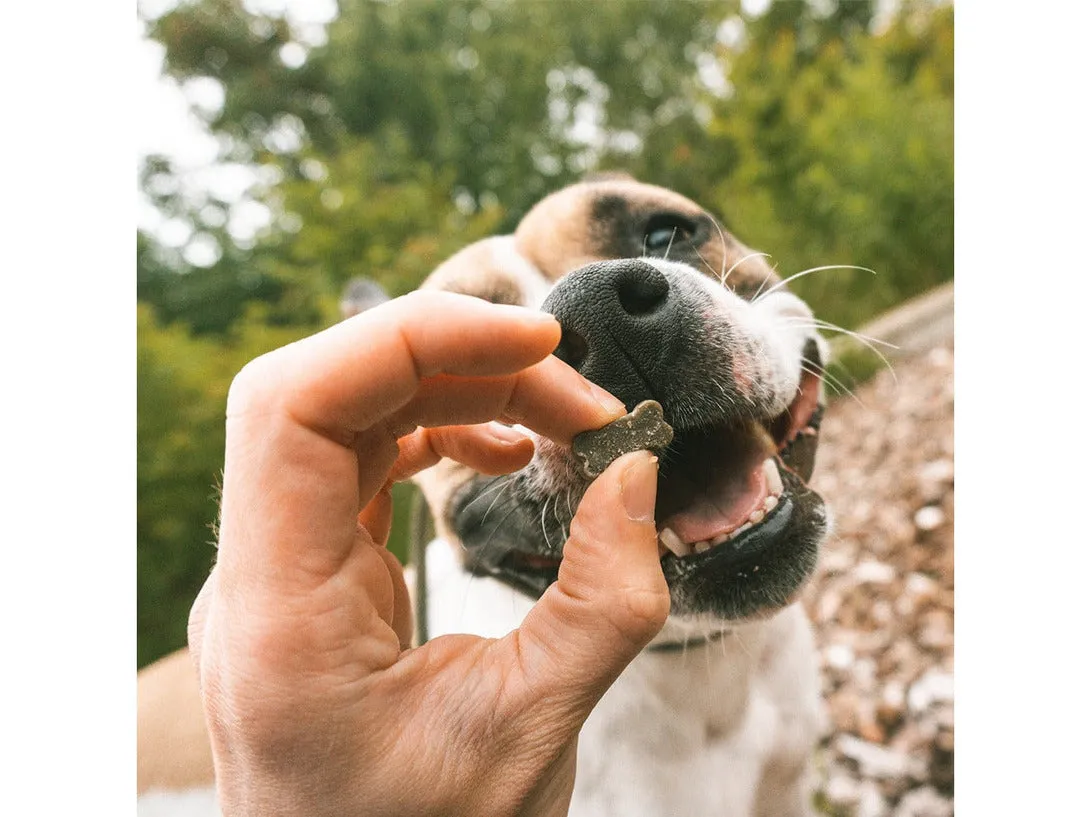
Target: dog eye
{"type": "Point", "coordinates": [665, 230]}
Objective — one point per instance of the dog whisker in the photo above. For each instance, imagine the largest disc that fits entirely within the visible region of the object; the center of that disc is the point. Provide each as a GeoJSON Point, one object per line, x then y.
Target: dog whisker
{"type": "Point", "coordinates": [723, 273]}
{"type": "Point", "coordinates": [816, 322]}
{"type": "Point", "coordinates": [711, 269]}
{"type": "Point", "coordinates": [742, 644]}
{"type": "Point", "coordinates": [545, 533]}
{"type": "Point", "coordinates": [488, 541]}
{"type": "Point", "coordinates": [571, 516]}
{"type": "Point", "coordinates": [741, 261]}
{"type": "Point", "coordinates": [839, 385]}
{"type": "Point", "coordinates": [506, 484]}
{"type": "Point", "coordinates": [759, 289]}
{"type": "Point", "coordinates": [869, 342]}
{"type": "Point", "coordinates": [471, 580]}
{"type": "Point", "coordinates": [757, 298]}
{"type": "Point", "coordinates": [499, 486]}
{"type": "Point", "coordinates": [669, 244]}
{"type": "Point", "coordinates": [770, 273]}
{"type": "Point", "coordinates": [559, 521]}
{"type": "Point", "coordinates": [832, 382]}
{"type": "Point", "coordinates": [834, 363]}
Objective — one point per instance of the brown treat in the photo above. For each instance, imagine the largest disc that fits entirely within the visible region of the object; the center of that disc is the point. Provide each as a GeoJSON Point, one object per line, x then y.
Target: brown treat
{"type": "Point", "coordinates": [642, 428]}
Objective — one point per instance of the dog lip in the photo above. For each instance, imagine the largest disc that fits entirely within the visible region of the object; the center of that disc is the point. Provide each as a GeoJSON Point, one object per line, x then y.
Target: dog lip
{"type": "Point", "coordinates": [751, 541]}
{"type": "Point", "coordinates": [538, 562]}
{"type": "Point", "coordinates": [763, 566]}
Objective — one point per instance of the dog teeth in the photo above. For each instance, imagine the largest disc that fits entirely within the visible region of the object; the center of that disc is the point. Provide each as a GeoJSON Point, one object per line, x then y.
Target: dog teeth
{"type": "Point", "coordinates": [740, 529]}
{"type": "Point", "coordinates": [668, 540]}
{"type": "Point", "coordinates": [673, 543]}
{"type": "Point", "coordinates": [772, 475]}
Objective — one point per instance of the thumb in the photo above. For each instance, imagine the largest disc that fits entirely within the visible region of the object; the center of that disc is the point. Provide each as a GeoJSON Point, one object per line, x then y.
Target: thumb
{"type": "Point", "coordinates": [610, 598]}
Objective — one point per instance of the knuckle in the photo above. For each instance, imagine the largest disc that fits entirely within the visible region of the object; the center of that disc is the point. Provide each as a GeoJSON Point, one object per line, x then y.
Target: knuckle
{"type": "Point", "coordinates": [648, 608]}
{"type": "Point", "coordinates": [251, 386]}
{"type": "Point", "coordinates": [244, 692]}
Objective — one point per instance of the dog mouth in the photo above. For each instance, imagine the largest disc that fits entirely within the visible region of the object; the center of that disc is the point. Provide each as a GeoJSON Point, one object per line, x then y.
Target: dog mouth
{"type": "Point", "coordinates": [733, 498]}
{"type": "Point", "coordinates": [719, 483]}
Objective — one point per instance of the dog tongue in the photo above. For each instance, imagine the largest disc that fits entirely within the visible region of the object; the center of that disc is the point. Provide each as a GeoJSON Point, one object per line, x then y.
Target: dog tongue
{"type": "Point", "coordinates": [720, 507]}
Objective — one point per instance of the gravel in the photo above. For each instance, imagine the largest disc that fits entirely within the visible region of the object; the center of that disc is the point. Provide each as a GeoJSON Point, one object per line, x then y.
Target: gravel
{"type": "Point", "coordinates": [882, 600]}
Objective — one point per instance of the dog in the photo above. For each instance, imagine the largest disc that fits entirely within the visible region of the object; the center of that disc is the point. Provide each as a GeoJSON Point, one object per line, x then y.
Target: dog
{"type": "Point", "coordinates": [722, 712]}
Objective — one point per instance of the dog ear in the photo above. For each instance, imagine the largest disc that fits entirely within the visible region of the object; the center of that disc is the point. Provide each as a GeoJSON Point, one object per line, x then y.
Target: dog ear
{"type": "Point", "coordinates": [608, 176]}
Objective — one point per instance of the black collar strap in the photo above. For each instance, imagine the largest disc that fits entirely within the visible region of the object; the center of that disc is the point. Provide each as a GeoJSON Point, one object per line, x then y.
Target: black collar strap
{"type": "Point", "coordinates": [681, 646]}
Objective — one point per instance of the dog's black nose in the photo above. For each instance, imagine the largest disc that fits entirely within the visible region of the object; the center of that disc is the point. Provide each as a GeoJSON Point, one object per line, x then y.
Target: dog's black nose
{"type": "Point", "coordinates": [621, 325]}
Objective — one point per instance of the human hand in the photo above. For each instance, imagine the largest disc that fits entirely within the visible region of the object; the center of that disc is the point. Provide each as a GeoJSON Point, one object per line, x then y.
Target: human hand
{"type": "Point", "coordinates": [315, 702]}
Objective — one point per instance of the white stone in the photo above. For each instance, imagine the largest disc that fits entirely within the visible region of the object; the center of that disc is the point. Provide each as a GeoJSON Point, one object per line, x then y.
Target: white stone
{"type": "Point", "coordinates": [929, 517]}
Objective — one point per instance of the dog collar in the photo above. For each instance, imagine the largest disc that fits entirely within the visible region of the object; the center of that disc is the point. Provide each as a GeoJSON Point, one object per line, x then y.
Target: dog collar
{"type": "Point", "coordinates": [681, 646]}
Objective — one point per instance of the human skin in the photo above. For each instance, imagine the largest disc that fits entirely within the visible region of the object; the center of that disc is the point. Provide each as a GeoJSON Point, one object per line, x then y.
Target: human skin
{"type": "Point", "coordinates": [316, 702]}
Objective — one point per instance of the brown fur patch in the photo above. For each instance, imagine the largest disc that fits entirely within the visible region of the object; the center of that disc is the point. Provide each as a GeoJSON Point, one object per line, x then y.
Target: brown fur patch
{"type": "Point", "coordinates": [477, 270]}
{"type": "Point", "coordinates": [601, 220]}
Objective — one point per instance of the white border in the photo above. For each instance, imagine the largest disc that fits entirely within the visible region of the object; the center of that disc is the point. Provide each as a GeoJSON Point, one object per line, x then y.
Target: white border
{"type": "Point", "coordinates": [68, 609]}
{"type": "Point", "coordinates": [1022, 147]}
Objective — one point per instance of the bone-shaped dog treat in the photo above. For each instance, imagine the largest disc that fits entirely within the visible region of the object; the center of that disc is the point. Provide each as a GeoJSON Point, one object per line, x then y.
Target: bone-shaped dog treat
{"type": "Point", "coordinates": [641, 428]}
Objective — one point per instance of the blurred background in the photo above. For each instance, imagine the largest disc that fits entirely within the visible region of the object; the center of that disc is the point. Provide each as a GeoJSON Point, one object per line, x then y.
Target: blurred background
{"type": "Point", "coordinates": [325, 141]}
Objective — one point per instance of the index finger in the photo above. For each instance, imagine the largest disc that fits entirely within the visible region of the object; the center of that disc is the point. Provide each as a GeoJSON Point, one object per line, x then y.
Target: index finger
{"type": "Point", "coordinates": [351, 376]}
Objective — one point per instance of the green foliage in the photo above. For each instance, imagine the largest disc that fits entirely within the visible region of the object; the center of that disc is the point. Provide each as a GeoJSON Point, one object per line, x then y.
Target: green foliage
{"type": "Point", "coordinates": [363, 216]}
{"type": "Point", "coordinates": [179, 445]}
{"type": "Point", "coordinates": [421, 126]}
{"type": "Point", "coordinates": [843, 155]}
{"type": "Point", "coordinates": [182, 384]}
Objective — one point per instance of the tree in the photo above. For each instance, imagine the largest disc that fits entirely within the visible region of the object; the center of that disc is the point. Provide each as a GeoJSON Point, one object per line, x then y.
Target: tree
{"type": "Point", "coordinates": [841, 153]}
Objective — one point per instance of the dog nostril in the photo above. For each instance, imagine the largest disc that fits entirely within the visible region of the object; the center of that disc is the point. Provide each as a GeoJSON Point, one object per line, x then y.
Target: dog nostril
{"type": "Point", "coordinates": [572, 348]}
{"type": "Point", "coordinates": [642, 294]}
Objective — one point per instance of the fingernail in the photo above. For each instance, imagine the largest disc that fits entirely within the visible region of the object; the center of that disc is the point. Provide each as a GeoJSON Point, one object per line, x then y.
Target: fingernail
{"type": "Point", "coordinates": [544, 317]}
{"type": "Point", "coordinates": [613, 406]}
{"type": "Point", "coordinates": [534, 316]}
{"type": "Point", "coordinates": [505, 434]}
{"type": "Point", "coordinates": [639, 486]}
